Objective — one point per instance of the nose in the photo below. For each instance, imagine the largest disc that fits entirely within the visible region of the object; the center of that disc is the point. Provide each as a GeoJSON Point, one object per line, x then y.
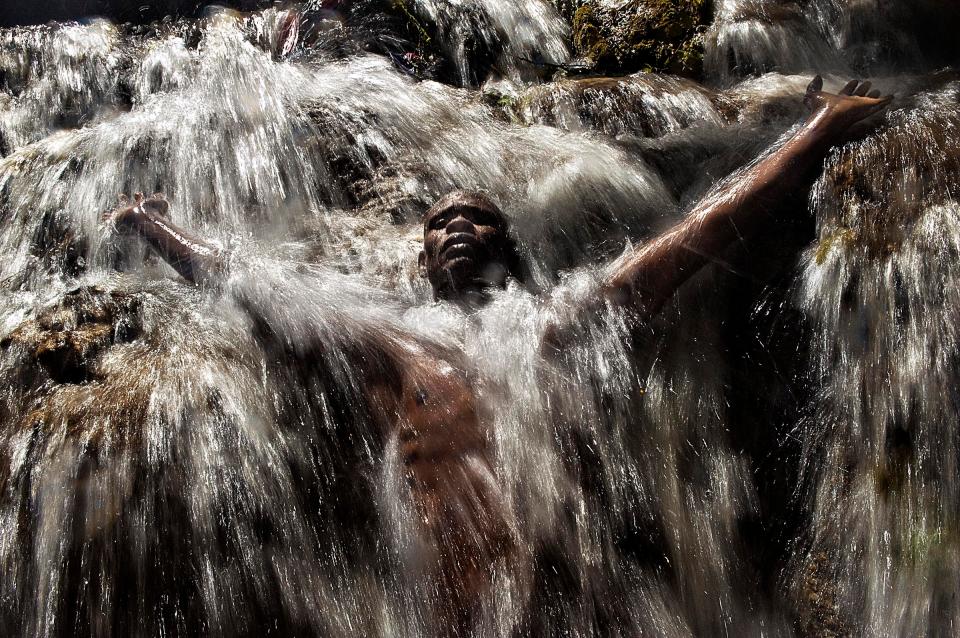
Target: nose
{"type": "Point", "coordinates": [460, 224]}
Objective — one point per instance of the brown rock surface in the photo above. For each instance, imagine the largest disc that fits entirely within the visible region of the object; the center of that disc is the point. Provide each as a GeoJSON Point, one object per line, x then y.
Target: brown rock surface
{"type": "Point", "coordinates": [648, 35]}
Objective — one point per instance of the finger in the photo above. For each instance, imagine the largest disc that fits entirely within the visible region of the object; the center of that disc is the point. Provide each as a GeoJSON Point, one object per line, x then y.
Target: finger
{"type": "Point", "coordinates": [875, 94]}
{"type": "Point", "coordinates": [158, 195]}
{"type": "Point", "coordinates": [138, 198]}
{"type": "Point", "coordinates": [815, 86]}
{"type": "Point", "coordinates": [158, 204]}
{"type": "Point", "coordinates": [880, 107]}
{"type": "Point", "coordinates": [849, 88]}
{"type": "Point", "coordinates": [862, 89]}
{"type": "Point", "coordinates": [123, 199]}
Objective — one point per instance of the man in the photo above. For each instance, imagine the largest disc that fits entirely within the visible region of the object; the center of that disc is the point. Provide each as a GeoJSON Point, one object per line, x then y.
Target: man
{"type": "Point", "coordinates": [423, 399]}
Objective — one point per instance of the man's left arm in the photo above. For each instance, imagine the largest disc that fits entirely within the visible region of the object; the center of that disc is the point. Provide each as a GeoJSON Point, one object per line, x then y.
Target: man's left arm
{"type": "Point", "coordinates": [649, 276]}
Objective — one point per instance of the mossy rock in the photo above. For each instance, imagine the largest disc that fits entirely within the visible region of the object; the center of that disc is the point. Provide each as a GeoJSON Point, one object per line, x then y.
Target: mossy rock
{"type": "Point", "coordinates": [877, 192]}
{"type": "Point", "coordinates": [644, 35]}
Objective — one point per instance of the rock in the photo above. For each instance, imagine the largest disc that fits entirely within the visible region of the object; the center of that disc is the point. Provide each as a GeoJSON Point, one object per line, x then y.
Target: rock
{"type": "Point", "coordinates": [65, 339]}
{"type": "Point", "coordinates": [893, 32]}
{"type": "Point", "coordinates": [22, 13]}
{"type": "Point", "coordinates": [771, 98]}
{"type": "Point", "coordinates": [864, 37]}
{"type": "Point", "coordinates": [818, 613]}
{"type": "Point", "coordinates": [640, 35]}
{"type": "Point", "coordinates": [875, 194]}
{"type": "Point", "coordinates": [759, 36]}
{"type": "Point", "coordinates": [644, 104]}
{"type": "Point", "coordinates": [941, 21]}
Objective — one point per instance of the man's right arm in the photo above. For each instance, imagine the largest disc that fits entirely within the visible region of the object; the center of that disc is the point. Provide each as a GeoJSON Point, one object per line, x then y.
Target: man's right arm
{"type": "Point", "coordinates": [196, 260]}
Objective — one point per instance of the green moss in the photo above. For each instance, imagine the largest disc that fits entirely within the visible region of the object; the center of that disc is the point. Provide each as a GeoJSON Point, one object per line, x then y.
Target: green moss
{"type": "Point", "coordinates": [843, 237]}
{"type": "Point", "coordinates": [401, 7]}
{"type": "Point", "coordinates": [653, 35]}
{"type": "Point", "coordinates": [588, 36]}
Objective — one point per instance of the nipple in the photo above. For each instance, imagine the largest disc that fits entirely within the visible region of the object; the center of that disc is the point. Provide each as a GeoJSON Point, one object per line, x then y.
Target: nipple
{"type": "Point", "coordinates": [421, 396]}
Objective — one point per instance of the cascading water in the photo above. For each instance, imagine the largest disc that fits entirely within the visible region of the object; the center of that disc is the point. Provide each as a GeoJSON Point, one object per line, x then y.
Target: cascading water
{"type": "Point", "coordinates": [512, 35]}
{"type": "Point", "coordinates": [757, 36]}
{"type": "Point", "coordinates": [177, 460]}
{"type": "Point", "coordinates": [881, 446]}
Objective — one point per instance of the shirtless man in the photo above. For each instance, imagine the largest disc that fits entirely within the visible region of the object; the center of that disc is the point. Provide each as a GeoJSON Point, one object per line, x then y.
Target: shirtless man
{"type": "Point", "coordinates": [429, 409]}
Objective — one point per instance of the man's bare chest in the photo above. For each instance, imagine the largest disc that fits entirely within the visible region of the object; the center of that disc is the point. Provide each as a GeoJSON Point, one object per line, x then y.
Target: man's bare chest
{"type": "Point", "coordinates": [438, 415]}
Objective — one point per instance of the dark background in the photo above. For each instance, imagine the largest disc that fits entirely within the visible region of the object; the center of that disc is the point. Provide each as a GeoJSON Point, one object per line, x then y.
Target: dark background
{"type": "Point", "coordinates": [23, 12]}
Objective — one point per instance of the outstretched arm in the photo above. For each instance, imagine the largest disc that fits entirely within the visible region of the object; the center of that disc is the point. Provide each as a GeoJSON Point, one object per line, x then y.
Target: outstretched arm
{"type": "Point", "coordinates": [195, 259]}
{"type": "Point", "coordinates": [645, 279]}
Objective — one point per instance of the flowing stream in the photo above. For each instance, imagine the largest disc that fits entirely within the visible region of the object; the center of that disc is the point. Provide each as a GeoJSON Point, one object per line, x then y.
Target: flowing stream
{"type": "Point", "coordinates": [776, 454]}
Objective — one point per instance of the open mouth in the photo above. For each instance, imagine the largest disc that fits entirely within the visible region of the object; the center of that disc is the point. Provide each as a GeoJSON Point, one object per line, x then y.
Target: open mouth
{"type": "Point", "coordinates": [459, 245]}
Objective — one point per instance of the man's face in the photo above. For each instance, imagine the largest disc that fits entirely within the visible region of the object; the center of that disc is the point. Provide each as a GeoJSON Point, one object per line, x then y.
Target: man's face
{"type": "Point", "coordinates": [465, 245]}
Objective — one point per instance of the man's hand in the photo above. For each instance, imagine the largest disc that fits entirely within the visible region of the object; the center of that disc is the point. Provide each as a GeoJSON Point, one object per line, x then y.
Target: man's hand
{"type": "Point", "coordinates": [839, 111]}
{"type": "Point", "coordinates": [195, 259]}
{"type": "Point", "coordinates": [127, 217]}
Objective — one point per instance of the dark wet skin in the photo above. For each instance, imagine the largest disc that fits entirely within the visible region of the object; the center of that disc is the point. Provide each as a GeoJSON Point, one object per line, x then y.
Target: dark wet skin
{"type": "Point", "coordinates": [432, 413]}
{"type": "Point", "coordinates": [465, 247]}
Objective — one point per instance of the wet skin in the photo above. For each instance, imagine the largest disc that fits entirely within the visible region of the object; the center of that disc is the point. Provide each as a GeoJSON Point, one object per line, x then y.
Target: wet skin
{"type": "Point", "coordinates": [442, 441]}
{"type": "Point", "coordinates": [432, 414]}
{"type": "Point", "coordinates": [465, 246]}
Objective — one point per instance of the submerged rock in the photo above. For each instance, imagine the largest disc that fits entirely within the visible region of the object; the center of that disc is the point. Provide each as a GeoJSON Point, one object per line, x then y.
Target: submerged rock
{"type": "Point", "coordinates": [645, 104]}
{"type": "Point", "coordinates": [66, 339]}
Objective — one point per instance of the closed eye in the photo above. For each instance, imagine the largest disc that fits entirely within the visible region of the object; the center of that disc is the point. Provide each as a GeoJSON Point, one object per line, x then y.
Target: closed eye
{"type": "Point", "coordinates": [483, 218]}
{"type": "Point", "coordinates": [438, 222]}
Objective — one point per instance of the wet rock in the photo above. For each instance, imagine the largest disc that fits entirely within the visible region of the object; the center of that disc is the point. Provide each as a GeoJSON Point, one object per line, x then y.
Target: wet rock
{"type": "Point", "coordinates": [882, 284]}
{"type": "Point", "coordinates": [877, 35]}
{"type": "Point", "coordinates": [771, 98]}
{"type": "Point", "coordinates": [864, 37]}
{"type": "Point", "coordinates": [875, 192]}
{"type": "Point", "coordinates": [57, 246]}
{"type": "Point", "coordinates": [388, 28]}
{"type": "Point", "coordinates": [645, 104]}
{"type": "Point", "coordinates": [939, 21]}
{"type": "Point", "coordinates": [818, 613]}
{"type": "Point", "coordinates": [652, 35]}
{"type": "Point", "coordinates": [461, 43]}
{"type": "Point", "coordinates": [758, 36]}
{"type": "Point", "coordinates": [482, 39]}
{"type": "Point", "coordinates": [350, 162]}
{"type": "Point", "coordinates": [65, 339]}
{"type": "Point", "coordinates": [21, 13]}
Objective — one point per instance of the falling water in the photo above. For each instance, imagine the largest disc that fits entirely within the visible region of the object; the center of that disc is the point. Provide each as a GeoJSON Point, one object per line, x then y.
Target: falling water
{"type": "Point", "coordinates": [757, 36]}
{"type": "Point", "coordinates": [512, 36]}
{"type": "Point", "coordinates": [206, 460]}
{"type": "Point", "coordinates": [881, 449]}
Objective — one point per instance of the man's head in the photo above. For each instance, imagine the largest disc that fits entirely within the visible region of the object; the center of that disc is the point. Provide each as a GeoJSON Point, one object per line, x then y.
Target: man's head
{"type": "Point", "coordinates": [466, 246]}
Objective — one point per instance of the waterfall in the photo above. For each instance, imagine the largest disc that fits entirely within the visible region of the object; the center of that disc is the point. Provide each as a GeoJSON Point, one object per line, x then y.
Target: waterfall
{"type": "Point", "coordinates": [880, 451]}
{"type": "Point", "coordinates": [774, 454]}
